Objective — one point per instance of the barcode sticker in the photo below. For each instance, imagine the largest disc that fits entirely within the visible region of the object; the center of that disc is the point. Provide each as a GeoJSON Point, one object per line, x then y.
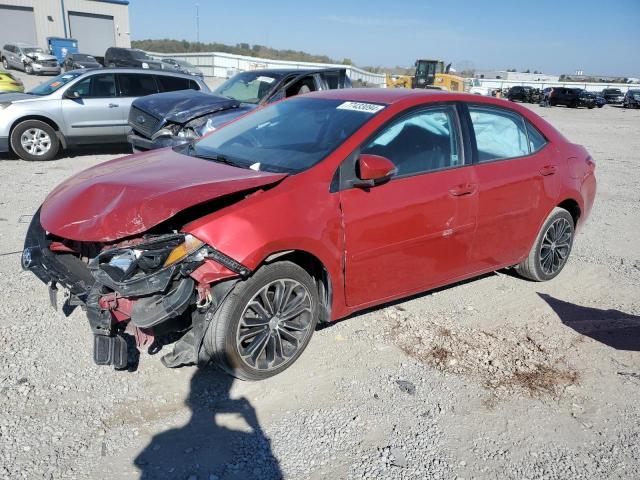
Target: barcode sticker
{"type": "Point", "coordinates": [360, 107]}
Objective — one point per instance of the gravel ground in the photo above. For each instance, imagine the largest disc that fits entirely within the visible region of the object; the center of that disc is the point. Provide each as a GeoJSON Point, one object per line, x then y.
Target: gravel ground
{"type": "Point", "coordinates": [491, 378]}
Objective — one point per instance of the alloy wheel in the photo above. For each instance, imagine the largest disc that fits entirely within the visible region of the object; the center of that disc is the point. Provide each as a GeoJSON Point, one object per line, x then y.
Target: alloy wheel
{"type": "Point", "coordinates": [555, 246]}
{"type": "Point", "coordinates": [274, 324]}
{"type": "Point", "coordinates": [35, 141]}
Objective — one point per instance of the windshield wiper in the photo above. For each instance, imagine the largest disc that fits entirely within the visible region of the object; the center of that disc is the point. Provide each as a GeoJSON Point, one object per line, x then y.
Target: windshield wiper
{"type": "Point", "coordinates": [192, 151]}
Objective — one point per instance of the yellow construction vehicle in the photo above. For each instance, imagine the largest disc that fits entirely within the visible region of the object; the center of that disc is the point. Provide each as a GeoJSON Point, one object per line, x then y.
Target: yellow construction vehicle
{"type": "Point", "coordinates": [434, 74]}
{"type": "Point", "coordinates": [429, 74]}
{"type": "Point", "coordinates": [399, 81]}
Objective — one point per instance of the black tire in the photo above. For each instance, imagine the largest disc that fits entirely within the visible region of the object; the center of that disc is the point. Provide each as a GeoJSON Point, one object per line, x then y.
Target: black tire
{"type": "Point", "coordinates": [590, 107]}
{"type": "Point", "coordinates": [221, 340]}
{"type": "Point", "coordinates": [28, 69]}
{"type": "Point", "coordinates": [553, 103]}
{"type": "Point", "coordinates": [532, 267]}
{"type": "Point", "coordinates": [600, 106]}
{"type": "Point", "coordinates": [34, 125]}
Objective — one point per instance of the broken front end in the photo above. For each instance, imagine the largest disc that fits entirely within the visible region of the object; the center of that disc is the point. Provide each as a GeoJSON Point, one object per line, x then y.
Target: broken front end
{"type": "Point", "coordinates": [154, 289]}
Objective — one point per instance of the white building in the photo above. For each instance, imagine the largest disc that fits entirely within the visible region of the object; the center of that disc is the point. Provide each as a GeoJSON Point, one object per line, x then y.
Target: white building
{"type": "Point", "coordinates": [95, 24]}
{"type": "Point", "coordinates": [515, 76]}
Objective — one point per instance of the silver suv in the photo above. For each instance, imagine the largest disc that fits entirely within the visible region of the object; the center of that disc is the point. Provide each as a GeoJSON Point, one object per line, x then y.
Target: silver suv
{"type": "Point", "coordinates": [29, 58]}
{"type": "Point", "coordinates": [80, 107]}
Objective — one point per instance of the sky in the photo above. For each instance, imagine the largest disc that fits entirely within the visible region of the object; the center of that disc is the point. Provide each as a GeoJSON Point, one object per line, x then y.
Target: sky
{"type": "Point", "coordinates": [598, 37]}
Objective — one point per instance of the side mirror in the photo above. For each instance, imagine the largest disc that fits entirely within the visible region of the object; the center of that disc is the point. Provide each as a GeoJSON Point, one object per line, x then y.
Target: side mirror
{"type": "Point", "coordinates": [72, 94]}
{"type": "Point", "coordinates": [374, 170]}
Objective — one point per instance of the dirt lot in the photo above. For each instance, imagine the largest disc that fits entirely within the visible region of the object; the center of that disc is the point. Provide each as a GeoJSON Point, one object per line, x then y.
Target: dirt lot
{"type": "Point", "coordinates": [493, 378]}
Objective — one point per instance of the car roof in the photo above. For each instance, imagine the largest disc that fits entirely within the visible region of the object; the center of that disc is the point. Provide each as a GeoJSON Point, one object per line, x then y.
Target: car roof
{"type": "Point", "coordinates": [22, 44]}
{"type": "Point", "coordinates": [379, 95]}
{"type": "Point", "coordinates": [136, 70]}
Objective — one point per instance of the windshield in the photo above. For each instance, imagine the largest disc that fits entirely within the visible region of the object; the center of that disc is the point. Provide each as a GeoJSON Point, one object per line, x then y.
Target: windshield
{"type": "Point", "coordinates": [83, 58]}
{"type": "Point", "coordinates": [28, 50]}
{"type": "Point", "coordinates": [248, 87]}
{"type": "Point", "coordinates": [140, 55]}
{"type": "Point", "coordinates": [289, 136]}
{"type": "Point", "coordinates": [54, 84]}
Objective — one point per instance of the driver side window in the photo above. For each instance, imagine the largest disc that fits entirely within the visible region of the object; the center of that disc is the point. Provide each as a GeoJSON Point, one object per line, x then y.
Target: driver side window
{"type": "Point", "coordinates": [425, 141]}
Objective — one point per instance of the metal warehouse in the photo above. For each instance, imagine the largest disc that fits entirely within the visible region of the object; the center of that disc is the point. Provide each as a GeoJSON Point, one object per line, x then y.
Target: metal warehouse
{"type": "Point", "coordinates": [95, 24]}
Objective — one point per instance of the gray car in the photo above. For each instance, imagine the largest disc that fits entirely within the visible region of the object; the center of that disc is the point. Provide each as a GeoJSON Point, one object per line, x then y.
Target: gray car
{"type": "Point", "coordinates": [181, 66]}
{"type": "Point", "coordinates": [80, 107]}
{"type": "Point", "coordinates": [31, 59]}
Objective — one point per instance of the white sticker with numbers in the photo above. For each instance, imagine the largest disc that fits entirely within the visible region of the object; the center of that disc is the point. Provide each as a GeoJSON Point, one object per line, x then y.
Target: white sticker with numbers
{"type": "Point", "coordinates": [360, 107]}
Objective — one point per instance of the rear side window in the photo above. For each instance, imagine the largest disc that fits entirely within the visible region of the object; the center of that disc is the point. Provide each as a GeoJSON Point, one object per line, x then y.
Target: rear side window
{"type": "Point", "coordinates": [499, 134]}
{"type": "Point", "coordinates": [536, 140]}
{"type": "Point", "coordinates": [136, 85]}
{"type": "Point", "coordinates": [425, 141]}
{"type": "Point", "coordinates": [171, 84]}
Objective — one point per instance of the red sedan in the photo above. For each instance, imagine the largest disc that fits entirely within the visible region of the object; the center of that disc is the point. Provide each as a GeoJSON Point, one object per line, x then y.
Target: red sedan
{"type": "Point", "coordinates": [235, 246]}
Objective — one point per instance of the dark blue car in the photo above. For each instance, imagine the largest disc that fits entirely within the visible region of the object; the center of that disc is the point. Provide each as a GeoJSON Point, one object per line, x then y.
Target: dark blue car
{"type": "Point", "coordinates": [170, 119]}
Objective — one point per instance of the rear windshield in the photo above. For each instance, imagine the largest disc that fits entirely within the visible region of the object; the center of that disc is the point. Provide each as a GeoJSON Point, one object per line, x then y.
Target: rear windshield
{"type": "Point", "coordinates": [83, 58]}
{"type": "Point", "coordinates": [289, 136]}
{"type": "Point", "coordinates": [55, 83]}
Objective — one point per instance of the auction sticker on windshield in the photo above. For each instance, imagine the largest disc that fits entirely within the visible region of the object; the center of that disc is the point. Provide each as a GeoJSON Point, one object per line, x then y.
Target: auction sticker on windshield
{"type": "Point", "coordinates": [360, 107]}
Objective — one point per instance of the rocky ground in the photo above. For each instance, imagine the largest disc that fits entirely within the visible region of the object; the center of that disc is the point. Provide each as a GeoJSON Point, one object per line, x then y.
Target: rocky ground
{"type": "Point", "coordinates": [492, 378]}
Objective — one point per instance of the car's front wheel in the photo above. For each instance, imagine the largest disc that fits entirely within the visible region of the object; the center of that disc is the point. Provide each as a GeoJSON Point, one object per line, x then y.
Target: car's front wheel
{"type": "Point", "coordinates": [265, 322]}
{"type": "Point", "coordinates": [5, 64]}
{"type": "Point", "coordinates": [551, 249]}
{"type": "Point", "coordinates": [34, 140]}
{"type": "Point", "coordinates": [28, 69]}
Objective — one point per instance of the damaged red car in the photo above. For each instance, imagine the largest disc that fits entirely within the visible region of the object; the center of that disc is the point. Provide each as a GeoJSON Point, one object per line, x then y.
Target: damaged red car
{"type": "Point", "coordinates": [235, 246]}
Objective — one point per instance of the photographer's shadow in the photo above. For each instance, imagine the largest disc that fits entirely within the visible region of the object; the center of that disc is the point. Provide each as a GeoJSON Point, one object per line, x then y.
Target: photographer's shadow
{"type": "Point", "coordinates": [611, 327]}
{"type": "Point", "coordinates": [223, 438]}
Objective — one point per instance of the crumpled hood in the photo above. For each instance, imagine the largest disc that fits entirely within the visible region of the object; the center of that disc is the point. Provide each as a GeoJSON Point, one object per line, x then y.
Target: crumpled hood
{"type": "Point", "coordinates": [130, 195]}
{"type": "Point", "coordinates": [183, 105]}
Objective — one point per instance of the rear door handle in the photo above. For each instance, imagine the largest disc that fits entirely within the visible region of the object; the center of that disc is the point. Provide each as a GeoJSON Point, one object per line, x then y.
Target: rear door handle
{"type": "Point", "coordinates": [548, 170]}
{"type": "Point", "coordinates": [465, 189]}
{"type": "Point", "coordinates": [113, 105]}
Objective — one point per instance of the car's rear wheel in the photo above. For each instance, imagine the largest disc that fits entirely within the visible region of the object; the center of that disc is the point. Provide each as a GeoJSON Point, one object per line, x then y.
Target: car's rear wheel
{"type": "Point", "coordinates": [265, 322]}
{"type": "Point", "coordinates": [551, 249]}
{"type": "Point", "coordinates": [5, 64]}
{"type": "Point", "coordinates": [34, 140]}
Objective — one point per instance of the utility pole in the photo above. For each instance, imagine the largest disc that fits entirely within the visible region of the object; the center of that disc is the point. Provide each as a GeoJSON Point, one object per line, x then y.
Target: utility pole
{"type": "Point", "coordinates": [197, 23]}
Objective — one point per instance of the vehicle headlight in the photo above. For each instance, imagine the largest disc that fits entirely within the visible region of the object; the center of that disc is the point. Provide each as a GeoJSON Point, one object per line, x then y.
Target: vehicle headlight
{"type": "Point", "coordinates": [168, 131]}
{"type": "Point", "coordinates": [190, 245]}
{"type": "Point", "coordinates": [145, 65]}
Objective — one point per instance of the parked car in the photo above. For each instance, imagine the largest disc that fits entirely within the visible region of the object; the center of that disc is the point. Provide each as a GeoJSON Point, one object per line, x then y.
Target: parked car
{"type": "Point", "coordinates": [613, 96]}
{"type": "Point", "coordinates": [29, 58]}
{"type": "Point", "coordinates": [163, 120]}
{"type": "Point", "coordinates": [236, 245]}
{"type": "Point", "coordinates": [522, 94]}
{"type": "Point", "coordinates": [130, 58]}
{"type": "Point", "coordinates": [600, 100]}
{"type": "Point", "coordinates": [571, 97]}
{"type": "Point", "coordinates": [181, 66]}
{"type": "Point", "coordinates": [74, 61]}
{"type": "Point", "coordinates": [79, 107]}
{"type": "Point", "coordinates": [631, 98]}
{"type": "Point", "coordinates": [9, 83]}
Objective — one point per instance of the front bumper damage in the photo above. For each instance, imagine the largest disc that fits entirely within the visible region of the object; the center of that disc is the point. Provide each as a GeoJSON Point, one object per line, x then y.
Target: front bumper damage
{"type": "Point", "coordinates": [165, 305]}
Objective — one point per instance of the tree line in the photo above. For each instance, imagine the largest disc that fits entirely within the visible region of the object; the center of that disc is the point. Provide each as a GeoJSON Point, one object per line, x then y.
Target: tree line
{"type": "Point", "coordinates": [167, 45]}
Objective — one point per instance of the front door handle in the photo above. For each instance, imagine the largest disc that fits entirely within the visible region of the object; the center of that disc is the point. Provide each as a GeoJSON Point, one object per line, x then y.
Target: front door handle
{"type": "Point", "coordinates": [464, 189]}
{"type": "Point", "coordinates": [548, 170]}
{"type": "Point", "coordinates": [113, 105]}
